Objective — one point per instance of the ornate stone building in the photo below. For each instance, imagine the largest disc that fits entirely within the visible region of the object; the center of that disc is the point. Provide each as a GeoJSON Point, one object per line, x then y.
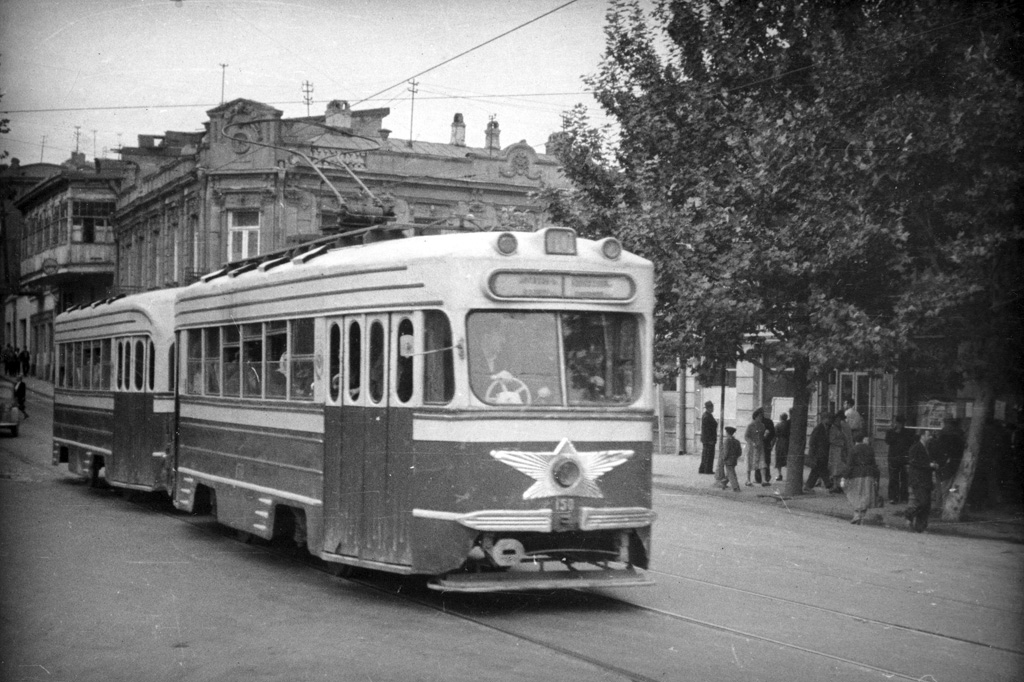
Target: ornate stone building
{"type": "Point", "coordinates": [254, 182]}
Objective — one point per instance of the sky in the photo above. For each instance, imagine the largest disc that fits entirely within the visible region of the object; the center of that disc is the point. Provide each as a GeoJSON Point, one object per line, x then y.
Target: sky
{"type": "Point", "coordinates": [116, 69]}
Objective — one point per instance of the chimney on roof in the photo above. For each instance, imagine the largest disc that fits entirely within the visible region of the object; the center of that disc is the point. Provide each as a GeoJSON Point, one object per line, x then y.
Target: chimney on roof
{"type": "Point", "coordinates": [458, 131]}
{"type": "Point", "coordinates": [493, 134]}
{"type": "Point", "coordinates": [339, 114]}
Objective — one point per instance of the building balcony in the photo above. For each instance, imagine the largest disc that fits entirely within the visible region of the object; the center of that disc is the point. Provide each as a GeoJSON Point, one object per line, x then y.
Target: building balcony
{"type": "Point", "coordinates": [62, 264]}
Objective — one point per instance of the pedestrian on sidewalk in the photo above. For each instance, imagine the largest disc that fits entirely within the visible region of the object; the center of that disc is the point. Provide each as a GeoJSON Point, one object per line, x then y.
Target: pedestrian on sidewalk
{"type": "Point", "coordinates": [19, 394]}
{"type": "Point", "coordinates": [708, 436]}
{"type": "Point", "coordinates": [781, 443]}
{"type": "Point", "coordinates": [731, 453]}
{"type": "Point", "coordinates": [754, 436]}
{"type": "Point", "coordinates": [922, 464]}
{"type": "Point", "coordinates": [840, 442]}
{"type": "Point", "coordinates": [860, 480]}
{"type": "Point", "coordinates": [899, 440]}
{"type": "Point", "coordinates": [817, 455]}
{"type": "Point", "coordinates": [769, 443]}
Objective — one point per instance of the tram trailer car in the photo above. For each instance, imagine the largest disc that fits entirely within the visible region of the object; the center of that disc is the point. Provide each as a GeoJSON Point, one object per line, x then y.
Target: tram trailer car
{"type": "Point", "coordinates": [113, 401]}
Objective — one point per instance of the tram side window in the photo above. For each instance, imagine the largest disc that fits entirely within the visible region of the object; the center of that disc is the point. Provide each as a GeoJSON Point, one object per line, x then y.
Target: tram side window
{"type": "Point", "coordinates": [252, 360]}
{"type": "Point", "coordinates": [78, 365]}
{"type": "Point", "coordinates": [301, 353]}
{"type": "Point", "coordinates": [140, 365]}
{"type": "Point", "coordinates": [277, 359]}
{"type": "Point", "coordinates": [87, 364]}
{"type": "Point", "coordinates": [376, 361]}
{"type": "Point", "coordinates": [172, 374]}
{"type": "Point", "coordinates": [152, 366]}
{"type": "Point", "coordinates": [334, 368]}
{"type": "Point", "coordinates": [231, 354]}
{"type": "Point", "coordinates": [105, 364]}
{"type": "Point", "coordinates": [212, 361]}
{"type": "Point", "coordinates": [62, 365]}
{"type": "Point", "coordinates": [193, 362]}
{"type": "Point", "coordinates": [355, 360]}
{"type": "Point", "coordinates": [438, 364]}
{"type": "Point", "coordinates": [120, 364]}
{"type": "Point", "coordinates": [404, 364]}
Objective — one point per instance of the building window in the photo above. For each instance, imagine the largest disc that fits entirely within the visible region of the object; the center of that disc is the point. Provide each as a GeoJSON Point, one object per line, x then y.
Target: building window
{"type": "Point", "coordinates": [243, 234]}
{"type": "Point", "coordinates": [90, 222]}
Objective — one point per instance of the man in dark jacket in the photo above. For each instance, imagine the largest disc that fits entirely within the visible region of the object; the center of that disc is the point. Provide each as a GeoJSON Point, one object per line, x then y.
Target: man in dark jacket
{"type": "Point", "coordinates": [817, 454]}
{"type": "Point", "coordinates": [19, 394]}
{"type": "Point", "coordinates": [899, 440]}
{"type": "Point", "coordinates": [708, 436]}
{"type": "Point", "coordinates": [769, 441]}
{"type": "Point", "coordinates": [921, 464]}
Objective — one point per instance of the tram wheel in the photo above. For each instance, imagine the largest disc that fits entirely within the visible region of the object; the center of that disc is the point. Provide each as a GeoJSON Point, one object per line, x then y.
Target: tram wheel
{"type": "Point", "coordinates": [340, 570]}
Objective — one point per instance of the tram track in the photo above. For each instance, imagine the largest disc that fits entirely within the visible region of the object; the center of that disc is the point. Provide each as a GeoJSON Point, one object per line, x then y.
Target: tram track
{"type": "Point", "coordinates": [536, 614]}
{"type": "Point", "coordinates": [843, 614]}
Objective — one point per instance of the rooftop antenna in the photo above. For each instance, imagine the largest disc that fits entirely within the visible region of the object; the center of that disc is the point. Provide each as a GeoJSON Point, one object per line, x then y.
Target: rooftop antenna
{"type": "Point", "coordinates": [78, 134]}
{"type": "Point", "coordinates": [412, 110]}
{"type": "Point", "coordinates": [223, 71]}
{"type": "Point", "coordinates": [307, 94]}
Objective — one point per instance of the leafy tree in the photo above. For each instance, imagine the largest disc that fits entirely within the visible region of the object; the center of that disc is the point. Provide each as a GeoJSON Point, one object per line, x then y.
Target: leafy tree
{"type": "Point", "coordinates": [805, 174]}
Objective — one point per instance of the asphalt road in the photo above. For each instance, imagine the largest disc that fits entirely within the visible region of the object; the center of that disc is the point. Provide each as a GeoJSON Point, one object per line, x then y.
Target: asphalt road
{"type": "Point", "coordinates": [98, 585]}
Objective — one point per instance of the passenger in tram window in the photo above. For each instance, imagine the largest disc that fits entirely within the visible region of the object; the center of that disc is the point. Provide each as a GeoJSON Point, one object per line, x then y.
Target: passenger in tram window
{"type": "Point", "coordinates": [277, 378]}
{"type": "Point", "coordinates": [302, 379]}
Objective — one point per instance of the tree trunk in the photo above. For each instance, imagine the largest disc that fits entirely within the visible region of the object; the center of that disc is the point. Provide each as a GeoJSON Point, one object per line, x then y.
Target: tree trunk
{"type": "Point", "coordinates": [798, 429]}
{"type": "Point", "coordinates": [956, 499]}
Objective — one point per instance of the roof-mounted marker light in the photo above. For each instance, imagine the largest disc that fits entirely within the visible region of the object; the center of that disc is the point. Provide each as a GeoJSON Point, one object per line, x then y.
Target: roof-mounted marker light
{"type": "Point", "coordinates": [611, 248]}
{"type": "Point", "coordinates": [507, 243]}
{"type": "Point", "coordinates": [560, 241]}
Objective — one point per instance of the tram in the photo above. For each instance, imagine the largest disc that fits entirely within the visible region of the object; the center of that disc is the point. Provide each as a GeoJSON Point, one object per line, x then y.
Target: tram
{"type": "Point", "coordinates": [113, 397]}
{"type": "Point", "coordinates": [473, 407]}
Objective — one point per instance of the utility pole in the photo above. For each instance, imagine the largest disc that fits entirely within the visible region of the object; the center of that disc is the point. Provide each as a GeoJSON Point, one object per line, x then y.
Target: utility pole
{"type": "Point", "coordinates": [307, 94]}
{"type": "Point", "coordinates": [78, 134]}
{"type": "Point", "coordinates": [223, 72]}
{"type": "Point", "coordinates": [94, 143]}
{"type": "Point", "coordinates": [412, 109]}
{"type": "Point", "coordinates": [42, 148]}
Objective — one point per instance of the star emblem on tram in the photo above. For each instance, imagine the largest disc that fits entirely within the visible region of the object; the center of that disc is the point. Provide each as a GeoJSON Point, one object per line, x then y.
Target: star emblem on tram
{"type": "Point", "coordinates": [565, 471]}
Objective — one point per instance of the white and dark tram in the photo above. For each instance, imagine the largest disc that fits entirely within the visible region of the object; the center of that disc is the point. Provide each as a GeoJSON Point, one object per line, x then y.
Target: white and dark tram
{"type": "Point", "coordinates": [474, 407]}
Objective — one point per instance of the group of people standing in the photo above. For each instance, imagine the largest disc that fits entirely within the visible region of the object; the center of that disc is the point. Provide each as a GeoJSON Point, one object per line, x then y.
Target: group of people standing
{"type": "Point", "coordinates": [761, 436]}
{"type": "Point", "coordinates": [15, 361]}
{"type": "Point", "coordinates": [842, 459]}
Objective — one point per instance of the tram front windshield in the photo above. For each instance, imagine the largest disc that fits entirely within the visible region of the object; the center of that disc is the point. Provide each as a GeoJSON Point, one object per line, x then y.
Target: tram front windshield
{"type": "Point", "coordinates": [554, 358]}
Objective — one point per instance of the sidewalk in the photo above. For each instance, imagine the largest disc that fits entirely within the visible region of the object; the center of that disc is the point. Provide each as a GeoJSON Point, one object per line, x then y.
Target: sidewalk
{"type": "Point", "coordinates": [679, 472]}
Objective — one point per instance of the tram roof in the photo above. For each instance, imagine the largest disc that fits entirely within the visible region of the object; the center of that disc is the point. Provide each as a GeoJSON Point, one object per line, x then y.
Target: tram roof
{"type": "Point", "coordinates": [150, 311]}
{"type": "Point", "coordinates": [389, 247]}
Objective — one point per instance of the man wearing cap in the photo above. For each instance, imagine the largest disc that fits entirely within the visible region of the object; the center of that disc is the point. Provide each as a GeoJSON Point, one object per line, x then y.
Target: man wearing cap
{"type": "Point", "coordinates": [708, 435]}
{"type": "Point", "coordinates": [922, 463]}
{"type": "Point", "coordinates": [730, 456]}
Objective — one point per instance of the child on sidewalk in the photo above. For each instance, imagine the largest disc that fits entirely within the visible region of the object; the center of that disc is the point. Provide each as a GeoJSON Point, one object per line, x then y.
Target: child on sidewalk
{"type": "Point", "coordinates": [730, 456]}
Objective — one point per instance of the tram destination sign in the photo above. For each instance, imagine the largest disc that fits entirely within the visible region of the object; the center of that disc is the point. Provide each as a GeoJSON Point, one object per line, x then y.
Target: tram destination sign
{"type": "Point", "coordinates": [519, 284]}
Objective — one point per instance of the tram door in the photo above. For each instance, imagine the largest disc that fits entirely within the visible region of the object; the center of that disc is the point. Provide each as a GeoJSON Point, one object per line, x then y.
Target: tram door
{"type": "Point", "coordinates": [131, 463]}
{"type": "Point", "coordinates": [356, 470]}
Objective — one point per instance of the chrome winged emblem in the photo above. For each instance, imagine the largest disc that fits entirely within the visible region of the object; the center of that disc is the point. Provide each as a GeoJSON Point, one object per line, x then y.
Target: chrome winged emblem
{"type": "Point", "coordinates": [564, 471]}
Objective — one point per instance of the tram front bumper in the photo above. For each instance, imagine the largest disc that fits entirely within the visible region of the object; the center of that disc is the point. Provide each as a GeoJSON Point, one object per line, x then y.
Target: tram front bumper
{"type": "Point", "coordinates": [516, 581]}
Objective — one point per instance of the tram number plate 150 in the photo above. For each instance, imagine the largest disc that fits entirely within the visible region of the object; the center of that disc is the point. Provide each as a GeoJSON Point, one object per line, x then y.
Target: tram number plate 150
{"type": "Point", "coordinates": [565, 513]}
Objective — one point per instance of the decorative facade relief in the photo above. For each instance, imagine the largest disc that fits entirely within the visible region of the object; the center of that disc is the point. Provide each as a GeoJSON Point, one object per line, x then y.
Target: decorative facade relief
{"type": "Point", "coordinates": [520, 159]}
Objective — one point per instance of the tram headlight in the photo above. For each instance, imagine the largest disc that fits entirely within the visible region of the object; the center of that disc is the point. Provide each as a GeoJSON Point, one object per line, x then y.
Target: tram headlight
{"type": "Point", "coordinates": [507, 243]}
{"type": "Point", "coordinates": [611, 248]}
{"type": "Point", "coordinates": [566, 473]}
